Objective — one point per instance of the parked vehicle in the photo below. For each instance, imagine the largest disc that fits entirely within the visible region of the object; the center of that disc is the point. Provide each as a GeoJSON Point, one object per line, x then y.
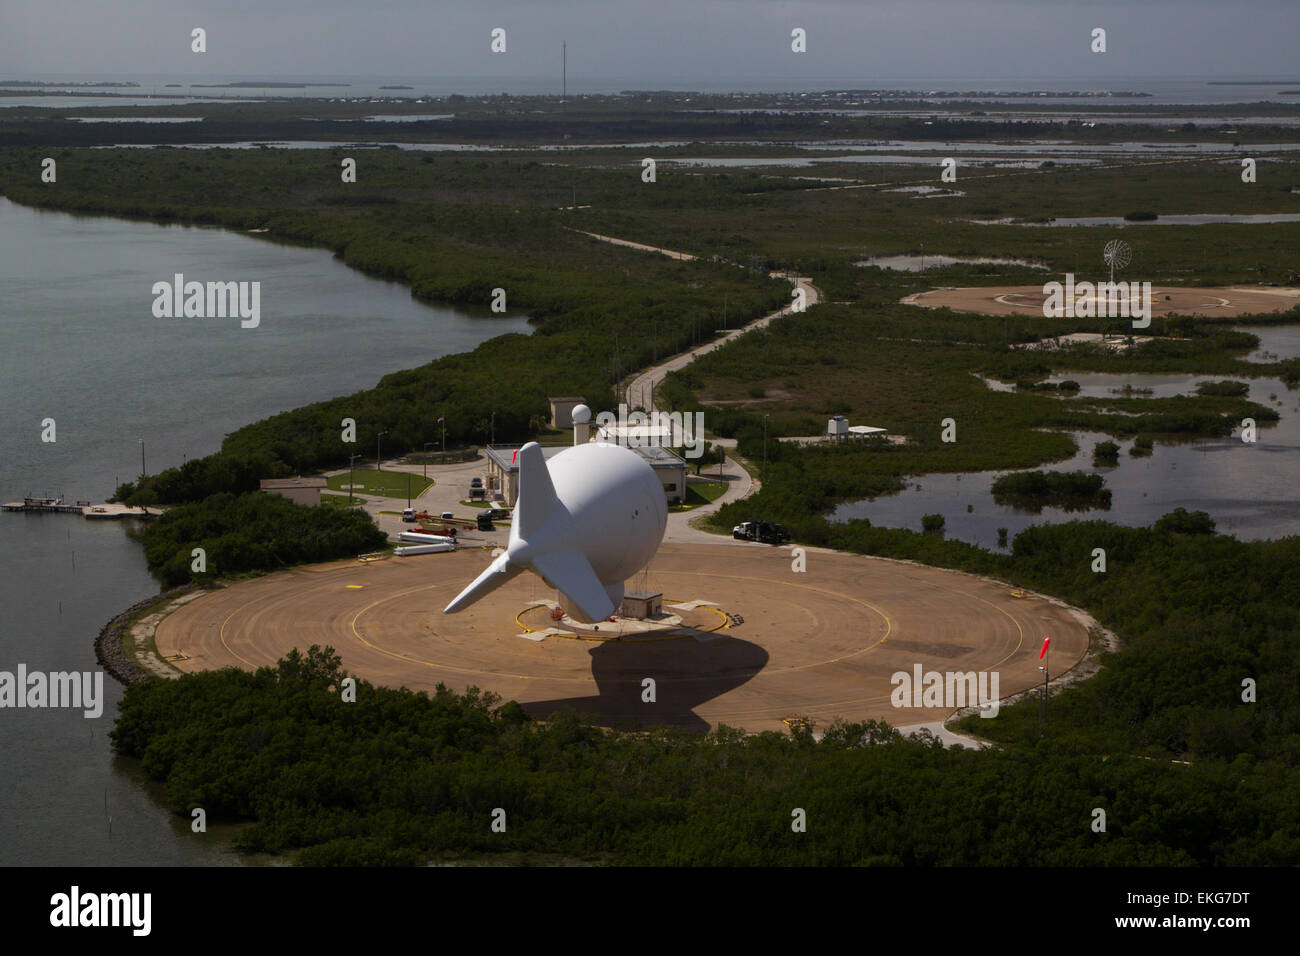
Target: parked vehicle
{"type": "Point", "coordinates": [485, 523]}
{"type": "Point", "coordinates": [497, 514]}
{"type": "Point", "coordinates": [408, 515]}
{"type": "Point", "coordinates": [765, 531]}
{"type": "Point", "coordinates": [447, 515]}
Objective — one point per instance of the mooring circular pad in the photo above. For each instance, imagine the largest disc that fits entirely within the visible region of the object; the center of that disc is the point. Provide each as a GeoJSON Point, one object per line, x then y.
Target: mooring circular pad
{"type": "Point", "coordinates": [822, 643]}
{"type": "Point", "coordinates": [1015, 300]}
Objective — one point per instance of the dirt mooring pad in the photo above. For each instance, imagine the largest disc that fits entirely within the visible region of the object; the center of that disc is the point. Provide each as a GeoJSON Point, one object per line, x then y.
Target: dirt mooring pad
{"type": "Point", "coordinates": [755, 643]}
{"type": "Point", "coordinates": [1029, 299]}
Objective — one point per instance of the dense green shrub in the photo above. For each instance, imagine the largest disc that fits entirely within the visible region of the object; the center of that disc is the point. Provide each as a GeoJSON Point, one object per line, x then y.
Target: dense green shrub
{"type": "Point", "coordinates": [252, 532]}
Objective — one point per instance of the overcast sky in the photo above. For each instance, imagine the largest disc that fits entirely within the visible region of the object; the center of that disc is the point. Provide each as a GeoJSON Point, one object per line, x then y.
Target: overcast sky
{"type": "Point", "coordinates": [669, 41]}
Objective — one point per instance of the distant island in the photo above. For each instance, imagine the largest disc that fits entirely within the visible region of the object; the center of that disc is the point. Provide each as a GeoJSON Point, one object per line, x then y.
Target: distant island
{"type": "Point", "coordinates": [127, 84]}
{"type": "Point", "coordinates": [397, 87]}
{"type": "Point", "coordinates": [249, 84]}
{"type": "Point", "coordinates": [934, 94]}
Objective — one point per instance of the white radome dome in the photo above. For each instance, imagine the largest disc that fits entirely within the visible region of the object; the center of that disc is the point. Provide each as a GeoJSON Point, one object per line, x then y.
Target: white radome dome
{"type": "Point", "coordinates": [581, 415]}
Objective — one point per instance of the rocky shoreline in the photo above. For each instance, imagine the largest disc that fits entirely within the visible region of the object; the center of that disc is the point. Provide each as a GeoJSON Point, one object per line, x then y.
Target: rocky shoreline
{"type": "Point", "coordinates": [108, 645]}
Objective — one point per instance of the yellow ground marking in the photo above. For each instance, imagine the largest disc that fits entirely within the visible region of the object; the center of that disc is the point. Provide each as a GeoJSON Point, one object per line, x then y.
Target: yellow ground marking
{"type": "Point", "coordinates": [889, 624]}
{"type": "Point", "coordinates": [352, 625]}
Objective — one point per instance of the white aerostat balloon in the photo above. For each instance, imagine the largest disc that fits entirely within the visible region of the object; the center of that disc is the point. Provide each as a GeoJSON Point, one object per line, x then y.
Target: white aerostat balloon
{"type": "Point", "coordinates": [585, 522]}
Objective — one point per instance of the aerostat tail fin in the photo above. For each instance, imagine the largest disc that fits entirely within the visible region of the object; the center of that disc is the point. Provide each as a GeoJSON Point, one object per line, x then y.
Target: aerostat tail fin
{"type": "Point", "coordinates": [498, 573]}
{"type": "Point", "coordinates": [570, 573]}
{"type": "Point", "coordinates": [537, 497]}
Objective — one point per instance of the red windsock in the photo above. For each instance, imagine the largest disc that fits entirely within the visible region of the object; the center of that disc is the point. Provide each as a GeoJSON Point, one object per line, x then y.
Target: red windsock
{"type": "Point", "coordinates": [1046, 641]}
{"type": "Point", "coordinates": [515, 457]}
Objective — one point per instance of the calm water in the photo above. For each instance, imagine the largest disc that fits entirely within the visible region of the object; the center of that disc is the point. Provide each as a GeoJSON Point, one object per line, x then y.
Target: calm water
{"type": "Point", "coordinates": [1196, 219]}
{"type": "Point", "coordinates": [79, 344]}
{"type": "Point", "coordinates": [1164, 90]}
{"type": "Point", "coordinates": [1249, 489]}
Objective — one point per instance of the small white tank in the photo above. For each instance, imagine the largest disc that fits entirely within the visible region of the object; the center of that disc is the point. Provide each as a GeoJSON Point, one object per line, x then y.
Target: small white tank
{"type": "Point", "coordinates": [581, 424]}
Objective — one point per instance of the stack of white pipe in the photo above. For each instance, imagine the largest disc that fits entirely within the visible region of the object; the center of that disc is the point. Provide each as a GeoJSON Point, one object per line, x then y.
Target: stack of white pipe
{"type": "Point", "coordinates": [423, 549]}
{"type": "Point", "coordinates": [416, 537]}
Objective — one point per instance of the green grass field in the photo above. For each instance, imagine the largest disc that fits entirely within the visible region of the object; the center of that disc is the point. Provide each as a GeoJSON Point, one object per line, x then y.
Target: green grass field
{"type": "Point", "coordinates": [390, 484]}
{"type": "Point", "coordinates": [702, 492]}
{"type": "Point", "coordinates": [338, 501]}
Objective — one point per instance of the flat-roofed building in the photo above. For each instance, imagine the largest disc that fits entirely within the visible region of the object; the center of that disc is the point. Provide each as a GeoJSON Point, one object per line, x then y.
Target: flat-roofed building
{"type": "Point", "coordinates": [643, 604]}
{"type": "Point", "coordinates": [503, 470]}
{"type": "Point", "coordinates": [562, 410]}
{"type": "Point", "coordinates": [301, 491]}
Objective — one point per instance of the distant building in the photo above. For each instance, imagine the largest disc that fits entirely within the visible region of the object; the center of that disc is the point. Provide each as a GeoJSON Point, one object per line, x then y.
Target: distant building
{"type": "Point", "coordinates": [562, 410]}
{"type": "Point", "coordinates": [839, 429]}
{"type": "Point", "coordinates": [502, 481]}
{"type": "Point", "coordinates": [301, 491]}
{"type": "Point", "coordinates": [503, 471]}
{"type": "Point", "coordinates": [867, 431]}
{"type": "Point", "coordinates": [633, 435]}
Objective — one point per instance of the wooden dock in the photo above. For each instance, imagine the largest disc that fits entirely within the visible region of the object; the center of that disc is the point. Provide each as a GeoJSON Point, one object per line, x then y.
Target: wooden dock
{"type": "Point", "coordinates": [84, 508]}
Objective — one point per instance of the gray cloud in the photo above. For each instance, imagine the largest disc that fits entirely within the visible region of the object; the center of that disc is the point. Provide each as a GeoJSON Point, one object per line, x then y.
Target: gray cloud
{"type": "Point", "coordinates": [665, 42]}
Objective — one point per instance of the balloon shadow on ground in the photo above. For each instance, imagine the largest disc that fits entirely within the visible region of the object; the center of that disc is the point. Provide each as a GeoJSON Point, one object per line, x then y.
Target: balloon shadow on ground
{"type": "Point", "coordinates": [687, 672]}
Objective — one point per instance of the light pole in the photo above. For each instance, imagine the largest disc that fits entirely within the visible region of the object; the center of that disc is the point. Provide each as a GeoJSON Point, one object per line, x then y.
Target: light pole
{"type": "Point", "coordinates": [408, 489]}
{"type": "Point", "coordinates": [765, 417]}
{"type": "Point", "coordinates": [379, 464]}
{"type": "Point", "coordinates": [143, 470]}
{"type": "Point", "coordinates": [426, 458]}
{"type": "Point", "coordinates": [443, 422]}
{"type": "Point", "coordinates": [493, 439]}
{"type": "Point", "coordinates": [351, 459]}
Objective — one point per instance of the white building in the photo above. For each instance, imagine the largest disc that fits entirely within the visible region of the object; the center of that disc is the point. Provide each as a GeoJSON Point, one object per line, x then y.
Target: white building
{"type": "Point", "coordinates": [502, 479]}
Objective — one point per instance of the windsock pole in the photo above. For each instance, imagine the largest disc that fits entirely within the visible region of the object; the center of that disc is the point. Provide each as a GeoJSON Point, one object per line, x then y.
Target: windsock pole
{"type": "Point", "coordinates": [1042, 656]}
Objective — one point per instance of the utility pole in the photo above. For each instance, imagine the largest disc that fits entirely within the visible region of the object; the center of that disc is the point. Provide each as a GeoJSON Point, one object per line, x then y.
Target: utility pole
{"type": "Point", "coordinates": [351, 459]}
{"type": "Point", "coordinates": [379, 463]}
{"type": "Point", "coordinates": [143, 470]}
{"type": "Point", "coordinates": [408, 489]}
{"type": "Point", "coordinates": [765, 417]}
{"type": "Point", "coordinates": [426, 458]}
{"type": "Point", "coordinates": [493, 440]}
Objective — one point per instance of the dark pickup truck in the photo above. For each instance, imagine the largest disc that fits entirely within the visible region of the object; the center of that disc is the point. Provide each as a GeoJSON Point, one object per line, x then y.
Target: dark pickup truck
{"type": "Point", "coordinates": [764, 531]}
